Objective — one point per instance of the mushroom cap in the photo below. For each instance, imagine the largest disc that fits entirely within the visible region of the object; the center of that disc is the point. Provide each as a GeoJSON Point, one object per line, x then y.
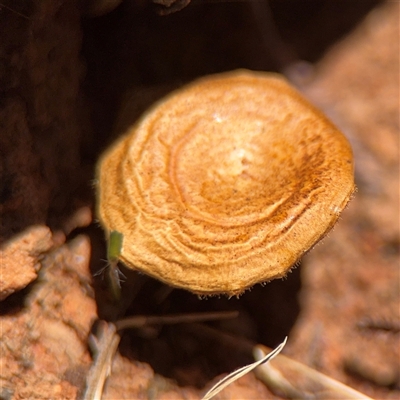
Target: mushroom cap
{"type": "Point", "coordinates": [225, 183]}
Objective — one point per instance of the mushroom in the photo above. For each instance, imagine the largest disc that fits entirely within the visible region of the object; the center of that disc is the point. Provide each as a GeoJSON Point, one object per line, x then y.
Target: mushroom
{"type": "Point", "coordinates": [225, 183]}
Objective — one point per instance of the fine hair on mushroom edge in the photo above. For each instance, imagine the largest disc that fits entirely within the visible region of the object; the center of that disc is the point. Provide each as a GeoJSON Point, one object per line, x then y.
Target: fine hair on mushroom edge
{"type": "Point", "coordinates": [224, 183]}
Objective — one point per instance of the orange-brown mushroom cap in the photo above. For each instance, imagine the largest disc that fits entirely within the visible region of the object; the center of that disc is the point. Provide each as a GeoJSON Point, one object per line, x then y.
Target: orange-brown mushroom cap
{"type": "Point", "coordinates": [225, 183]}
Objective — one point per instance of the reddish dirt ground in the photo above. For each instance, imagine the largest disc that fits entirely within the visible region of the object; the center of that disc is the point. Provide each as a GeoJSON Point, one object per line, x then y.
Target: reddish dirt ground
{"type": "Point", "coordinates": [340, 308]}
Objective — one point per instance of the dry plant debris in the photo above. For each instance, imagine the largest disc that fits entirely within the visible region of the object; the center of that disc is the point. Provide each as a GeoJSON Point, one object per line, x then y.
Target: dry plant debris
{"type": "Point", "coordinates": [105, 343]}
{"type": "Point", "coordinates": [103, 347]}
{"type": "Point", "coordinates": [234, 376]}
{"type": "Point", "coordinates": [294, 380]}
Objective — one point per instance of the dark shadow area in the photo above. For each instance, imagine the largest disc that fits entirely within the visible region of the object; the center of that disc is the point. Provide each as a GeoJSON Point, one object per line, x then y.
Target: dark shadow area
{"type": "Point", "coordinates": [194, 353]}
{"type": "Point", "coordinates": [134, 50]}
{"type": "Point", "coordinates": [15, 302]}
{"type": "Point", "coordinates": [312, 26]}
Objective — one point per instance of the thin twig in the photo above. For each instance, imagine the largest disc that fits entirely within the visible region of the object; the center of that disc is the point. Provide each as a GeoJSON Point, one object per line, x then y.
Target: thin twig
{"type": "Point", "coordinates": [139, 321]}
{"type": "Point", "coordinates": [14, 11]}
{"type": "Point", "coordinates": [232, 377]}
{"type": "Point", "coordinates": [296, 380]}
{"type": "Point", "coordinates": [104, 348]}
